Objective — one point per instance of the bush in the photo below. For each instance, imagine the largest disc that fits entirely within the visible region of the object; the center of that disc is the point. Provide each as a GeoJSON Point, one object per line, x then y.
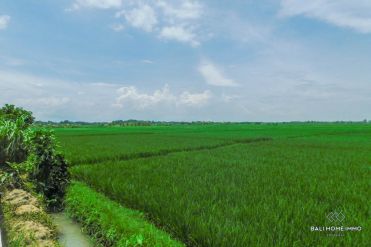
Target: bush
{"type": "Point", "coordinates": [12, 114]}
{"type": "Point", "coordinates": [32, 152]}
{"type": "Point", "coordinates": [50, 173]}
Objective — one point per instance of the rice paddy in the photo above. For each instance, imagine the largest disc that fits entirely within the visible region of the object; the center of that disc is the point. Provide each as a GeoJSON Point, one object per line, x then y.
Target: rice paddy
{"type": "Point", "coordinates": [236, 184]}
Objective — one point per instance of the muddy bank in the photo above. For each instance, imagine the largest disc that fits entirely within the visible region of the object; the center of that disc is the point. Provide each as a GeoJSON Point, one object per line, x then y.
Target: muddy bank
{"type": "Point", "coordinates": [26, 222]}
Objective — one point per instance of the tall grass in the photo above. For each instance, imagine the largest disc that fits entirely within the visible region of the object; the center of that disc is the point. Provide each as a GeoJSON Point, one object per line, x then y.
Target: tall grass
{"type": "Point", "coordinates": [94, 149]}
{"type": "Point", "coordinates": [93, 145]}
{"type": "Point", "coordinates": [257, 194]}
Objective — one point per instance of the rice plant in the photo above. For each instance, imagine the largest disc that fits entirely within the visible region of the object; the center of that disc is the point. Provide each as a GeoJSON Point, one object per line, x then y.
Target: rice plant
{"type": "Point", "coordinates": [255, 194]}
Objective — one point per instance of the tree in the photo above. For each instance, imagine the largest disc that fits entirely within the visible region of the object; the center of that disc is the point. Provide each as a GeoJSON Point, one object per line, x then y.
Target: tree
{"type": "Point", "coordinates": [50, 170]}
{"type": "Point", "coordinates": [12, 147]}
{"type": "Point", "coordinates": [13, 113]}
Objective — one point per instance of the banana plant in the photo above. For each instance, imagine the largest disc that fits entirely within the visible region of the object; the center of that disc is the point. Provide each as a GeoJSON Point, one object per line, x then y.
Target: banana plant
{"type": "Point", "coordinates": [12, 144]}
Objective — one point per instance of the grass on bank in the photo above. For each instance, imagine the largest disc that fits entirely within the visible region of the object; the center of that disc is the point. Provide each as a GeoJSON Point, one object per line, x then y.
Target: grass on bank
{"type": "Point", "coordinates": [111, 224]}
{"type": "Point", "coordinates": [22, 229]}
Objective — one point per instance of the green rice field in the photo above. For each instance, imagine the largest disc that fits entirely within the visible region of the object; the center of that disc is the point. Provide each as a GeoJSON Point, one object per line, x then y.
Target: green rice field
{"type": "Point", "coordinates": [232, 184]}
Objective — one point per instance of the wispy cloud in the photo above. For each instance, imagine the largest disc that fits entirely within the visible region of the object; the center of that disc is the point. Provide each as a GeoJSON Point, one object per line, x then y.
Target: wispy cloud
{"type": "Point", "coordinates": [355, 14]}
{"type": "Point", "coordinates": [129, 96]}
{"type": "Point", "coordinates": [99, 4]}
{"type": "Point", "coordinates": [52, 99]}
{"type": "Point", "coordinates": [184, 10]}
{"type": "Point", "coordinates": [214, 76]}
{"type": "Point", "coordinates": [169, 20]}
{"type": "Point", "coordinates": [142, 17]}
{"type": "Point", "coordinates": [180, 34]}
{"type": "Point", "coordinates": [4, 21]}
{"type": "Point", "coordinates": [195, 99]}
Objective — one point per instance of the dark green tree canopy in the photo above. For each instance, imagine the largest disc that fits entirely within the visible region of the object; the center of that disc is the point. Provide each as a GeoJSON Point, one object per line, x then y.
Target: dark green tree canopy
{"type": "Point", "coordinates": [12, 113]}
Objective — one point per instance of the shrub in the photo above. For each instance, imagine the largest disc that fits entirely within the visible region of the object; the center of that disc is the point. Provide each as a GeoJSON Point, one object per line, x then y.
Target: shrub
{"type": "Point", "coordinates": [32, 152]}
{"type": "Point", "coordinates": [50, 173]}
{"type": "Point", "coordinates": [12, 114]}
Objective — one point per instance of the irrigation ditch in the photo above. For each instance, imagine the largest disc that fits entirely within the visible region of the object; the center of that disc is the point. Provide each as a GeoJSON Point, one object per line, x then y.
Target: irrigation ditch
{"type": "Point", "coordinates": [30, 225]}
{"type": "Point", "coordinates": [69, 232]}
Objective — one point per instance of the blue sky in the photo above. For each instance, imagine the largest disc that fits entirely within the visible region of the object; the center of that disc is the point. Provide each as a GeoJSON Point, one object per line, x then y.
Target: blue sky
{"type": "Point", "coordinates": [251, 60]}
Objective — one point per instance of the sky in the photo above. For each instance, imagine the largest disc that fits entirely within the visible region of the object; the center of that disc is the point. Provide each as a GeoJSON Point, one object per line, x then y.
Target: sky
{"type": "Point", "coordinates": [187, 60]}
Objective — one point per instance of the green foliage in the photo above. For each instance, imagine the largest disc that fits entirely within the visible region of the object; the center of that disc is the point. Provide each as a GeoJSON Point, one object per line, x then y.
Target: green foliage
{"type": "Point", "coordinates": [111, 224]}
{"type": "Point", "coordinates": [24, 150]}
{"type": "Point", "coordinates": [8, 177]}
{"type": "Point", "coordinates": [49, 173]}
{"type": "Point", "coordinates": [13, 114]}
{"type": "Point", "coordinates": [14, 124]}
{"type": "Point", "coordinates": [12, 135]}
{"type": "Point", "coordinates": [257, 194]}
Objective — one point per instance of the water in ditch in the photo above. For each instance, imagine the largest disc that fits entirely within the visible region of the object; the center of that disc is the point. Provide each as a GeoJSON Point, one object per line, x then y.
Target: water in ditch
{"type": "Point", "coordinates": [70, 234]}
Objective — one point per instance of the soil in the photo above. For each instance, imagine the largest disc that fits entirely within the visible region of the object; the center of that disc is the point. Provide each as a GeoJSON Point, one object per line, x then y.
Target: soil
{"type": "Point", "coordinates": [19, 197]}
{"type": "Point", "coordinates": [27, 209]}
{"type": "Point", "coordinates": [34, 232]}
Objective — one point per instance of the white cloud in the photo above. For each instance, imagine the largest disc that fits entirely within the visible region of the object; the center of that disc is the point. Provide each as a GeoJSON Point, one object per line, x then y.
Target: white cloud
{"type": "Point", "coordinates": [169, 20]}
{"type": "Point", "coordinates": [180, 20]}
{"type": "Point", "coordinates": [184, 10]}
{"type": "Point", "coordinates": [195, 99]}
{"type": "Point", "coordinates": [355, 14]}
{"type": "Point", "coordinates": [143, 17]}
{"type": "Point", "coordinates": [56, 100]}
{"type": "Point", "coordinates": [130, 97]}
{"type": "Point", "coordinates": [214, 76]}
{"type": "Point", "coordinates": [4, 21]}
{"type": "Point", "coordinates": [180, 34]}
{"type": "Point", "coordinates": [99, 4]}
